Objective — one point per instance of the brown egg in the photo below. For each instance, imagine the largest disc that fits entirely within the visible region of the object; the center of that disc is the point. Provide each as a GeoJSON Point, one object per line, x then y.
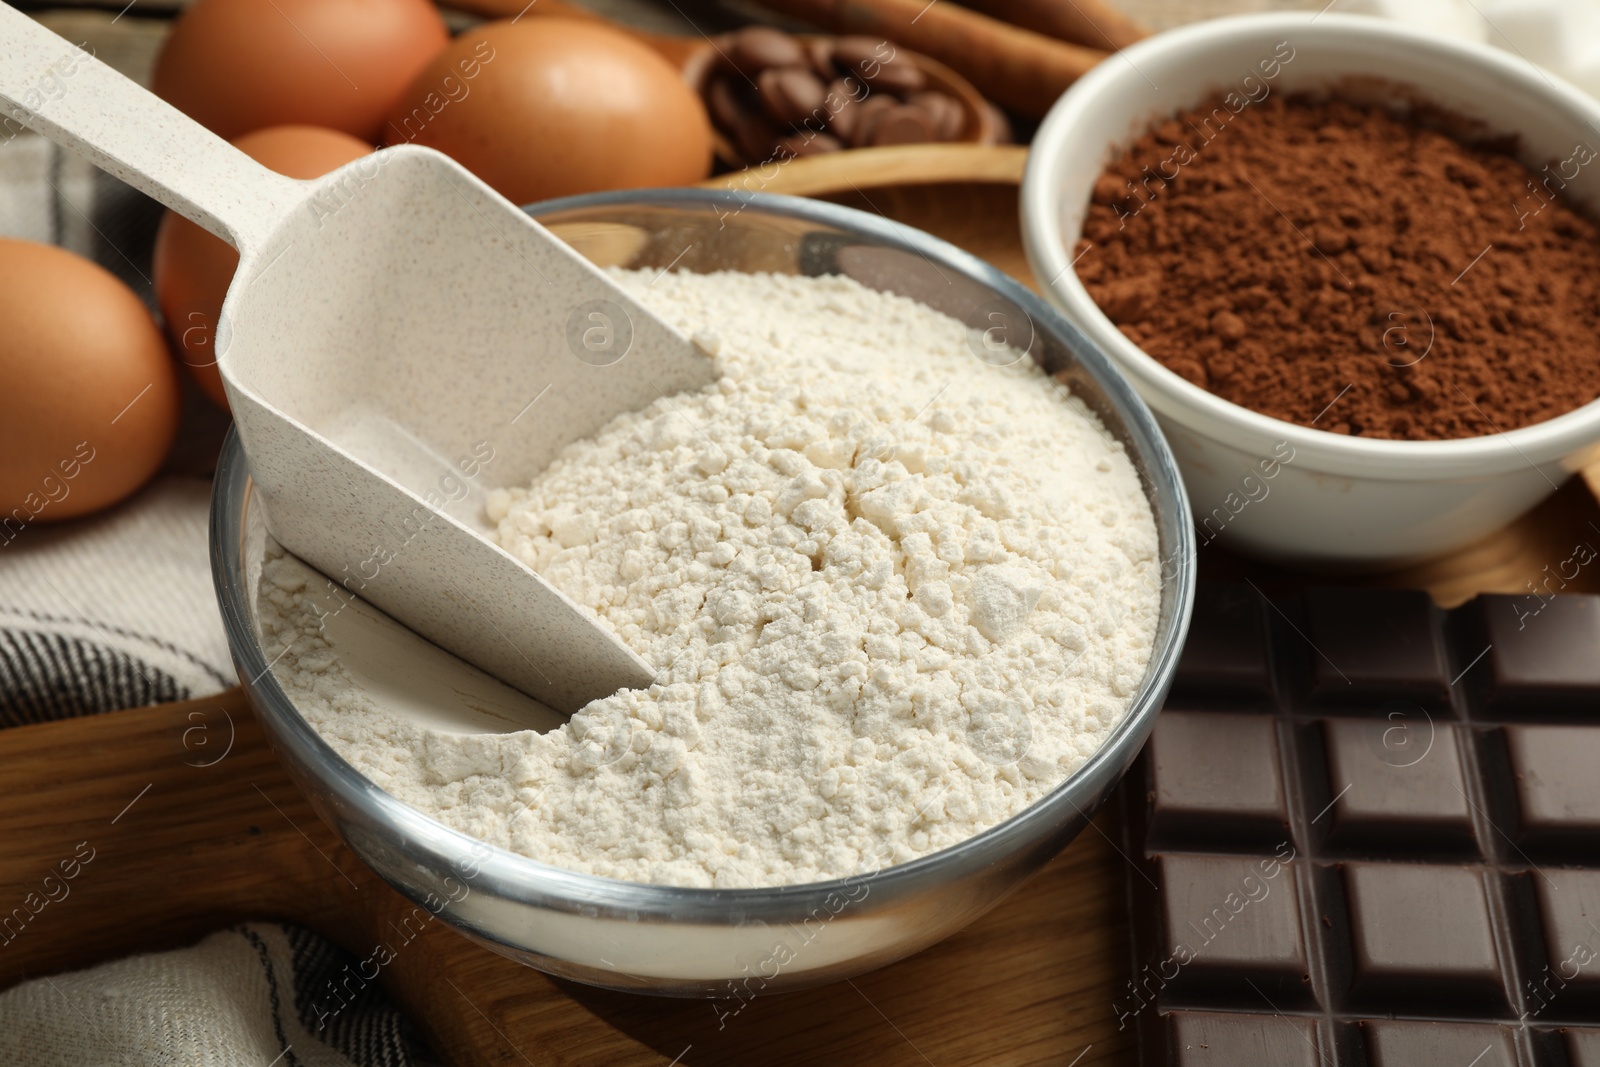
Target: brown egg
{"type": "Point", "coordinates": [88, 394]}
{"type": "Point", "coordinates": [241, 65]}
{"type": "Point", "coordinates": [192, 269]}
{"type": "Point", "coordinates": [543, 107]}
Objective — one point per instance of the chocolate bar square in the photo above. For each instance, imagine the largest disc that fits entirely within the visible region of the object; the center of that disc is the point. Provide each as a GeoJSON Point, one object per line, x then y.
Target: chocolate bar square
{"type": "Point", "coordinates": [1542, 655]}
{"type": "Point", "coordinates": [1230, 921]}
{"type": "Point", "coordinates": [1569, 913]}
{"type": "Point", "coordinates": [1207, 1039]}
{"type": "Point", "coordinates": [1225, 653]}
{"type": "Point", "coordinates": [1583, 1048]}
{"type": "Point", "coordinates": [1374, 644]}
{"type": "Point", "coordinates": [1556, 775]}
{"type": "Point", "coordinates": [1409, 1044]}
{"type": "Point", "coordinates": [1396, 785]}
{"type": "Point", "coordinates": [1217, 778]}
{"type": "Point", "coordinates": [1421, 939]}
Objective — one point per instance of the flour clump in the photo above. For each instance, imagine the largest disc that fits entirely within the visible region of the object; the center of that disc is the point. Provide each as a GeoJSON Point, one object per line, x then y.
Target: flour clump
{"type": "Point", "coordinates": [895, 592]}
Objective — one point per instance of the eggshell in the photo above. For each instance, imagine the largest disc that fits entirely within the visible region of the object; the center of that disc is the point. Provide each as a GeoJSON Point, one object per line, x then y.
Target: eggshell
{"type": "Point", "coordinates": [192, 269]}
{"type": "Point", "coordinates": [242, 65]}
{"type": "Point", "coordinates": [545, 106]}
{"type": "Point", "coordinates": [88, 395]}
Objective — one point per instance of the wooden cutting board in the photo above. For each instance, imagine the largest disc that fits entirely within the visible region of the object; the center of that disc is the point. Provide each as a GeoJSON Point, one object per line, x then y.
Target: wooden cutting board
{"type": "Point", "coordinates": [194, 825]}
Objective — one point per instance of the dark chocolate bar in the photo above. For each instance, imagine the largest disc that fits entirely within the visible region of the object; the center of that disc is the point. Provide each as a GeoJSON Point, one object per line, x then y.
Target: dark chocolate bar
{"type": "Point", "coordinates": [1366, 833]}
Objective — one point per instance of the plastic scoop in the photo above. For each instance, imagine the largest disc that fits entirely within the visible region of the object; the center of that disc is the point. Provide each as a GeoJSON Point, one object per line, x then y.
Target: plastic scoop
{"type": "Point", "coordinates": [398, 338]}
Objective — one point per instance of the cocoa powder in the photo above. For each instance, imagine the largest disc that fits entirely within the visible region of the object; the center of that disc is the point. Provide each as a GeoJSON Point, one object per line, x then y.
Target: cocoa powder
{"type": "Point", "coordinates": [1326, 262]}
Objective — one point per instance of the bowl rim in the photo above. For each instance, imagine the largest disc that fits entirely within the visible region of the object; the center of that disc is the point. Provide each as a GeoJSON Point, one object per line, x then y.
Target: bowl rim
{"type": "Point", "coordinates": [1200, 410]}
{"type": "Point", "coordinates": [505, 874]}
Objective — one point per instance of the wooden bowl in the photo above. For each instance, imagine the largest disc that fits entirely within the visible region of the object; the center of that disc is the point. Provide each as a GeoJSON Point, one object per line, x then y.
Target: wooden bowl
{"type": "Point", "coordinates": [981, 124]}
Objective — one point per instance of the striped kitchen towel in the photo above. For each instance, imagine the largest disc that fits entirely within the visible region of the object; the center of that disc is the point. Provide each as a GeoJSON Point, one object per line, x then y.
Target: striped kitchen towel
{"type": "Point", "coordinates": [249, 996]}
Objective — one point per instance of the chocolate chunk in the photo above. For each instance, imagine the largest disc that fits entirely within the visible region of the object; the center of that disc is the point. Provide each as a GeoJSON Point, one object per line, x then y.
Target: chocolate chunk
{"type": "Point", "coordinates": [899, 75]}
{"type": "Point", "coordinates": [1230, 922]}
{"type": "Point", "coordinates": [739, 113]}
{"type": "Point", "coordinates": [755, 137]}
{"type": "Point", "coordinates": [843, 101]}
{"type": "Point", "coordinates": [1556, 770]}
{"type": "Point", "coordinates": [1410, 1044]}
{"type": "Point", "coordinates": [949, 118]}
{"type": "Point", "coordinates": [728, 101]}
{"type": "Point", "coordinates": [819, 51]}
{"type": "Point", "coordinates": [867, 114]}
{"type": "Point", "coordinates": [1206, 1039]}
{"type": "Point", "coordinates": [1541, 653]}
{"type": "Point", "coordinates": [883, 67]}
{"type": "Point", "coordinates": [1396, 783]}
{"type": "Point", "coordinates": [902, 124]}
{"type": "Point", "coordinates": [802, 144]}
{"type": "Point", "coordinates": [1216, 779]}
{"type": "Point", "coordinates": [1226, 652]}
{"type": "Point", "coordinates": [849, 89]}
{"type": "Point", "coordinates": [790, 95]}
{"type": "Point", "coordinates": [1372, 643]}
{"type": "Point", "coordinates": [1421, 939]}
{"type": "Point", "coordinates": [1569, 913]}
{"type": "Point", "coordinates": [853, 53]}
{"type": "Point", "coordinates": [756, 48]}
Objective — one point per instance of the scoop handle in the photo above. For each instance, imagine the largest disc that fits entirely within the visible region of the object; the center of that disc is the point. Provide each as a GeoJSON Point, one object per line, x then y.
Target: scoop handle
{"type": "Point", "coordinates": [64, 93]}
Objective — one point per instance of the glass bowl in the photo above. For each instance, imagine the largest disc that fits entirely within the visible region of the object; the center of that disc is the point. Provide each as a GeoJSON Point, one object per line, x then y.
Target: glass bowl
{"type": "Point", "coordinates": [737, 942]}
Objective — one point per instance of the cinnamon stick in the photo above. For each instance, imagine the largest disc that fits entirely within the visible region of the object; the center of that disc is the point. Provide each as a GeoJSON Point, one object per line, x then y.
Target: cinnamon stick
{"type": "Point", "coordinates": [1017, 68]}
{"type": "Point", "coordinates": [1094, 23]}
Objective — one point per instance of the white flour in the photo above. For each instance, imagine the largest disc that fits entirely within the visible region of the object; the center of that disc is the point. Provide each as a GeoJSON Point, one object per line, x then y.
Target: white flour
{"type": "Point", "coordinates": [896, 594]}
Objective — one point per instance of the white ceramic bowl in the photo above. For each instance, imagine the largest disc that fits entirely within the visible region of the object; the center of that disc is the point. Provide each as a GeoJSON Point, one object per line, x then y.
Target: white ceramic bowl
{"type": "Point", "coordinates": [1339, 499]}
